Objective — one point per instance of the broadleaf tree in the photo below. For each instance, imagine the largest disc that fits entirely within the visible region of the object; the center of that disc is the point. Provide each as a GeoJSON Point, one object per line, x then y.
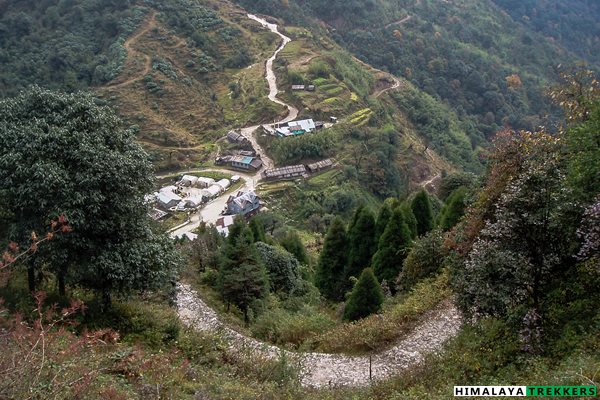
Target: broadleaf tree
{"type": "Point", "coordinates": [63, 154]}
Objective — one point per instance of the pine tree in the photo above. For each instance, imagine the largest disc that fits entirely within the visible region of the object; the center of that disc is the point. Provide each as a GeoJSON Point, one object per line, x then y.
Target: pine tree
{"type": "Point", "coordinates": [421, 208]}
{"type": "Point", "coordinates": [454, 209]}
{"type": "Point", "coordinates": [242, 278]}
{"type": "Point", "coordinates": [361, 240]}
{"type": "Point", "coordinates": [330, 270]}
{"type": "Point", "coordinates": [409, 218]}
{"type": "Point", "coordinates": [393, 248]}
{"type": "Point", "coordinates": [385, 213]}
{"type": "Point", "coordinates": [366, 297]}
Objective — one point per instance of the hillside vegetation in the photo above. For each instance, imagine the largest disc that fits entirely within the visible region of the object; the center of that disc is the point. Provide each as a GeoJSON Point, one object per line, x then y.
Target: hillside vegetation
{"type": "Point", "coordinates": [469, 54]}
{"type": "Point", "coordinates": [437, 248]}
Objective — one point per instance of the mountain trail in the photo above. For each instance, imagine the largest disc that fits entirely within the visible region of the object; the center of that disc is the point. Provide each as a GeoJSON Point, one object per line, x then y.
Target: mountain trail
{"type": "Point", "coordinates": [331, 370]}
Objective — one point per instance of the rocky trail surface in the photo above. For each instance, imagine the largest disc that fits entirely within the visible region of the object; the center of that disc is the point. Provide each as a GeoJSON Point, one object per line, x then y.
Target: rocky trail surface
{"type": "Point", "coordinates": [331, 370]}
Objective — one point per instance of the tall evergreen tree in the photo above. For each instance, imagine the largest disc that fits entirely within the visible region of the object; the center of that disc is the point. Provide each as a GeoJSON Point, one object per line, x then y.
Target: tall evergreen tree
{"type": "Point", "coordinates": [409, 218]}
{"type": "Point", "coordinates": [421, 208]}
{"type": "Point", "coordinates": [242, 277]}
{"type": "Point", "coordinates": [385, 213]}
{"type": "Point", "coordinates": [393, 248]}
{"type": "Point", "coordinates": [454, 209]}
{"type": "Point", "coordinates": [361, 240]}
{"type": "Point", "coordinates": [332, 261]}
{"type": "Point", "coordinates": [366, 297]}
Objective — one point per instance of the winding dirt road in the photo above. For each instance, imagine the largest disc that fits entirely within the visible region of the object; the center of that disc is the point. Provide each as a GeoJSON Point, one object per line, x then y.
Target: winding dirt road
{"type": "Point", "coordinates": [211, 212]}
{"type": "Point", "coordinates": [270, 74]}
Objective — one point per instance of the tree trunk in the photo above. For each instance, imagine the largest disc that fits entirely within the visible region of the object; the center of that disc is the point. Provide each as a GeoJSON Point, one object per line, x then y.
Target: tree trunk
{"type": "Point", "coordinates": [246, 319]}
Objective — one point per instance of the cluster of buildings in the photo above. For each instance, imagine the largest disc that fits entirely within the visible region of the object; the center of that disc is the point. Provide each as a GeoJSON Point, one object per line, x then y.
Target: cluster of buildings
{"type": "Point", "coordinates": [190, 192]}
{"type": "Point", "coordinates": [296, 171]}
{"type": "Point", "coordinates": [295, 128]}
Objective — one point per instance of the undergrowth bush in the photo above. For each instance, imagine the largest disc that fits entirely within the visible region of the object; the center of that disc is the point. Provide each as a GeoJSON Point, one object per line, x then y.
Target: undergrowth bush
{"type": "Point", "coordinates": [281, 326]}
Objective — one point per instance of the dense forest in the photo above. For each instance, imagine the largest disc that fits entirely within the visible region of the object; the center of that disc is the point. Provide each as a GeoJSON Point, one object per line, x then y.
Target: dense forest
{"type": "Point", "coordinates": [574, 23]}
{"type": "Point", "coordinates": [67, 44]}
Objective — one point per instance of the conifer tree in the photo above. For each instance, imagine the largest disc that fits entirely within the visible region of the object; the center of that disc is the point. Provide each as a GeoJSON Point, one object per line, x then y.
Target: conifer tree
{"type": "Point", "coordinates": [421, 208]}
{"type": "Point", "coordinates": [454, 209]}
{"type": "Point", "coordinates": [242, 277]}
{"type": "Point", "coordinates": [361, 240]}
{"type": "Point", "coordinates": [393, 248]}
{"type": "Point", "coordinates": [385, 213]}
{"type": "Point", "coordinates": [332, 261]}
{"type": "Point", "coordinates": [258, 230]}
{"type": "Point", "coordinates": [409, 218]}
{"type": "Point", "coordinates": [366, 297]}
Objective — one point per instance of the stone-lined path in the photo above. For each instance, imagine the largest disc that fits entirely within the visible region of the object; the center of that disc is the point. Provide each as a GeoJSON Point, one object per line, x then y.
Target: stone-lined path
{"type": "Point", "coordinates": [320, 369]}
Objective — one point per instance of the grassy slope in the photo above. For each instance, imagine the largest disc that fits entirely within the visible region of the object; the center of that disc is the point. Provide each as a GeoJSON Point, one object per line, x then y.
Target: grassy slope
{"type": "Point", "coordinates": [179, 107]}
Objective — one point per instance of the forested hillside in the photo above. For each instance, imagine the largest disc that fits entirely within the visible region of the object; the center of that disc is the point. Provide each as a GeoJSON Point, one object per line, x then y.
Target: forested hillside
{"type": "Point", "coordinates": [575, 24]}
{"type": "Point", "coordinates": [492, 70]}
{"type": "Point", "coordinates": [65, 45]}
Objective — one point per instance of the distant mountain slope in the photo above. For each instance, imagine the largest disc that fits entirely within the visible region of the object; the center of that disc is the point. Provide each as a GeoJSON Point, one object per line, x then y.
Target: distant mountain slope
{"type": "Point", "coordinates": [575, 24]}
{"type": "Point", "coordinates": [470, 54]}
{"type": "Point", "coordinates": [63, 44]}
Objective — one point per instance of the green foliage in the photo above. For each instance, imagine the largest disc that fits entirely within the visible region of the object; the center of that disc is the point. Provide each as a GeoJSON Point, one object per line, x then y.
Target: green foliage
{"type": "Point", "coordinates": [583, 145]}
{"type": "Point", "coordinates": [393, 248]}
{"type": "Point", "coordinates": [409, 218]}
{"type": "Point", "coordinates": [384, 216]}
{"type": "Point", "coordinates": [308, 146]}
{"type": "Point", "coordinates": [361, 242]}
{"type": "Point", "coordinates": [242, 277]}
{"type": "Point", "coordinates": [64, 45]}
{"type": "Point", "coordinates": [332, 261]}
{"type": "Point", "coordinates": [425, 258]}
{"type": "Point", "coordinates": [380, 331]}
{"type": "Point", "coordinates": [283, 268]}
{"type": "Point", "coordinates": [64, 155]}
{"type": "Point", "coordinates": [280, 326]}
{"type": "Point", "coordinates": [575, 20]}
{"type": "Point", "coordinates": [205, 249]}
{"type": "Point", "coordinates": [421, 208]}
{"type": "Point", "coordinates": [454, 208]}
{"type": "Point", "coordinates": [258, 230]}
{"type": "Point", "coordinates": [527, 242]}
{"type": "Point", "coordinates": [291, 242]}
{"type": "Point", "coordinates": [453, 181]}
{"type": "Point", "coordinates": [365, 299]}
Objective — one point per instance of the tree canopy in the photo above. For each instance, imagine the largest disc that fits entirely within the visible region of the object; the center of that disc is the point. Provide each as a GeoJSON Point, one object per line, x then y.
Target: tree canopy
{"type": "Point", "coordinates": [62, 154]}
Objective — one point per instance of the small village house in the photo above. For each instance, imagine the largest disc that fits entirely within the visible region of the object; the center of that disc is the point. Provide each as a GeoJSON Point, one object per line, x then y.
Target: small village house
{"type": "Point", "coordinates": [243, 203]}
